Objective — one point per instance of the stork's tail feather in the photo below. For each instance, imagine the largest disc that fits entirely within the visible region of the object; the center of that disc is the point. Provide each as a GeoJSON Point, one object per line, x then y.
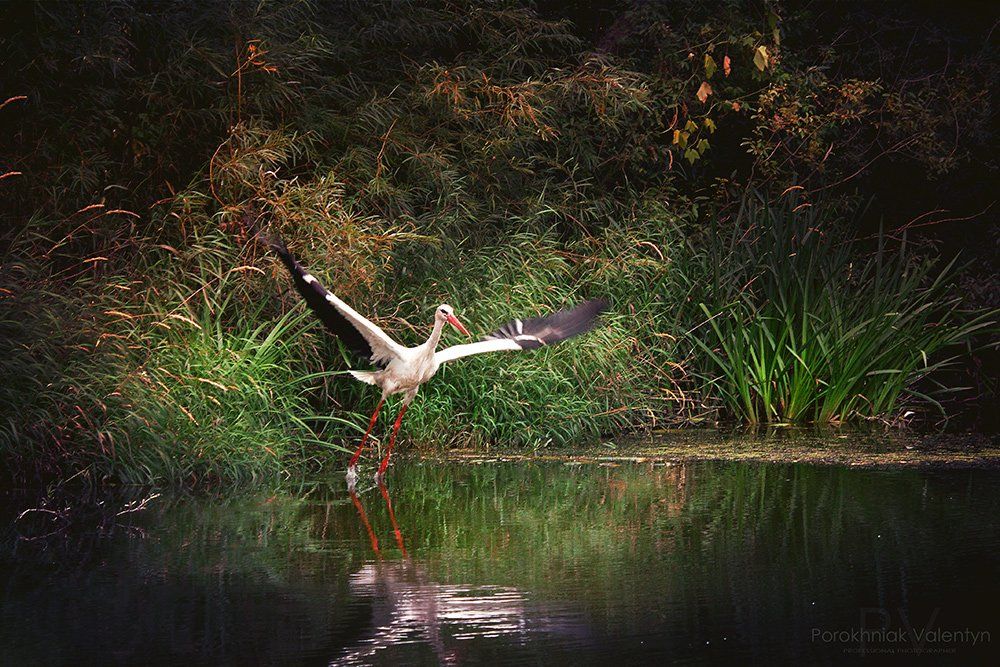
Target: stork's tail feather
{"type": "Point", "coordinates": [367, 377]}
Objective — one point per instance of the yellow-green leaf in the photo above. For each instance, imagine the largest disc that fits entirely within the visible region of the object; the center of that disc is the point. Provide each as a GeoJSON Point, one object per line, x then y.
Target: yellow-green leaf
{"type": "Point", "coordinates": [690, 126]}
{"type": "Point", "coordinates": [760, 58]}
{"type": "Point", "coordinates": [683, 140]}
{"type": "Point", "coordinates": [691, 155]}
{"type": "Point", "coordinates": [710, 66]}
{"type": "Point", "coordinates": [709, 124]}
{"type": "Point", "coordinates": [702, 146]}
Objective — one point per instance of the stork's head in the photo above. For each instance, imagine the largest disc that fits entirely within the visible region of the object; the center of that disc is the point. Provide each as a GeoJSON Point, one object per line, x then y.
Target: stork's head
{"type": "Point", "coordinates": [446, 313]}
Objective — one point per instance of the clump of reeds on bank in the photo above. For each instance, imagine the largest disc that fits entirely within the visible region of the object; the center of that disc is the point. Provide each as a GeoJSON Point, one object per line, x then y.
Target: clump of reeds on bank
{"type": "Point", "coordinates": [800, 322]}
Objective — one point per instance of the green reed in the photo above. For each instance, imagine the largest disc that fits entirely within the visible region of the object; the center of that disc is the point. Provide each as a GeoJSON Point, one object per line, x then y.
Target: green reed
{"type": "Point", "coordinates": [801, 323]}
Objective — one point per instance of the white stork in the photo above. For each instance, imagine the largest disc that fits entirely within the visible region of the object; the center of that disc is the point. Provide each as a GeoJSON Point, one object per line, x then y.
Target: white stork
{"type": "Point", "coordinates": [401, 370]}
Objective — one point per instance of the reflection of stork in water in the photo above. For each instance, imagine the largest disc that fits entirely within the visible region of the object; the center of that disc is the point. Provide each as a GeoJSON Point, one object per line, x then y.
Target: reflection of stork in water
{"type": "Point", "coordinates": [368, 526]}
{"type": "Point", "coordinates": [409, 607]}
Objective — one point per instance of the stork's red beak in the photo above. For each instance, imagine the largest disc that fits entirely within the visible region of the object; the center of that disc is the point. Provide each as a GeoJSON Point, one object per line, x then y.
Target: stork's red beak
{"type": "Point", "coordinates": [453, 321]}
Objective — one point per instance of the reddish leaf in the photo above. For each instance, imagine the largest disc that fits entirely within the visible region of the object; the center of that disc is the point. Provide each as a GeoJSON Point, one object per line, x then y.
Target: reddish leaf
{"type": "Point", "coordinates": [726, 66]}
{"type": "Point", "coordinates": [704, 91]}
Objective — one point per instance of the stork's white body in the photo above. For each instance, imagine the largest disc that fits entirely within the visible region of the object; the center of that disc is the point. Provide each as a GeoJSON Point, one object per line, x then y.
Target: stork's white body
{"type": "Point", "coordinates": [406, 368]}
{"type": "Point", "coordinates": [409, 368]}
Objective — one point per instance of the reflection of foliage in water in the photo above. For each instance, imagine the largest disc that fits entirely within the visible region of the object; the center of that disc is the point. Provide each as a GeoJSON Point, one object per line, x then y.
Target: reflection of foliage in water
{"type": "Point", "coordinates": [758, 552]}
{"type": "Point", "coordinates": [221, 579]}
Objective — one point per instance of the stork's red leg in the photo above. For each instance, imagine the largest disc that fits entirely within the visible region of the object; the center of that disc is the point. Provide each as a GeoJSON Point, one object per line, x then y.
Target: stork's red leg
{"type": "Point", "coordinates": [364, 440]}
{"type": "Point", "coordinates": [392, 441]}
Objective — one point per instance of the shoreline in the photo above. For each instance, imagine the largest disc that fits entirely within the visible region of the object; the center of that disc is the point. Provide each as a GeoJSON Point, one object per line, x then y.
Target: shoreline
{"type": "Point", "coordinates": [677, 447]}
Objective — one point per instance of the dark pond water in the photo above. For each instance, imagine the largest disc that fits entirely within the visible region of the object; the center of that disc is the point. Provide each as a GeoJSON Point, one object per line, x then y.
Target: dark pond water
{"type": "Point", "coordinates": [517, 564]}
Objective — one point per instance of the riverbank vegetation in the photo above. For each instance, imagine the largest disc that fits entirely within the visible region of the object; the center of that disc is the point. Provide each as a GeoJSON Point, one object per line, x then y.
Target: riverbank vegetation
{"type": "Point", "coordinates": [783, 220]}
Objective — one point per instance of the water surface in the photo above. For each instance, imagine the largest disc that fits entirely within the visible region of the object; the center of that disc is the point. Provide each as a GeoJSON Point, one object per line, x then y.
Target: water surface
{"type": "Point", "coordinates": [514, 563]}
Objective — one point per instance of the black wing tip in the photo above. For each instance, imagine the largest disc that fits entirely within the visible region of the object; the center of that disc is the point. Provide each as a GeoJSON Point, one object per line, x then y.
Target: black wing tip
{"type": "Point", "coordinates": [538, 332]}
{"type": "Point", "coordinates": [579, 319]}
{"type": "Point", "coordinates": [591, 308]}
{"type": "Point", "coordinates": [599, 306]}
{"type": "Point", "coordinates": [315, 296]}
{"type": "Point", "coordinates": [257, 227]}
{"type": "Point", "coordinates": [274, 241]}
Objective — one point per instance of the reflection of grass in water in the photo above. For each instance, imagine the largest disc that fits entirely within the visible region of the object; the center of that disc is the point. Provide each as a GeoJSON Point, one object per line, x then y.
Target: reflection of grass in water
{"type": "Point", "coordinates": [744, 533]}
{"type": "Point", "coordinates": [634, 546]}
{"type": "Point", "coordinates": [537, 516]}
{"type": "Point", "coordinates": [545, 527]}
{"type": "Point", "coordinates": [230, 580]}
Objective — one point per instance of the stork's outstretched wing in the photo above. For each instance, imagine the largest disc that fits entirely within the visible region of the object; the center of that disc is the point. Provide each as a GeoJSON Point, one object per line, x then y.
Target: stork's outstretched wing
{"type": "Point", "coordinates": [533, 333]}
{"type": "Point", "coordinates": [360, 336]}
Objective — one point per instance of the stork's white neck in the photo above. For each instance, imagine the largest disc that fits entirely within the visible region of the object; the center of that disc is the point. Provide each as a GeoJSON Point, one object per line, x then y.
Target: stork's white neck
{"type": "Point", "coordinates": [435, 337]}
